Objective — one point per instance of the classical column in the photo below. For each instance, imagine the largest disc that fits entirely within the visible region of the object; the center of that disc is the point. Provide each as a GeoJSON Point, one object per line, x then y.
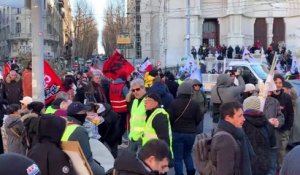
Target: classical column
{"type": "Point", "coordinates": [269, 22]}
{"type": "Point", "coordinates": [200, 30]}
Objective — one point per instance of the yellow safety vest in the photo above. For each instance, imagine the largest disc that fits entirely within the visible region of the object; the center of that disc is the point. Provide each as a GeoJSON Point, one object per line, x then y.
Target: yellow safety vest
{"type": "Point", "coordinates": [69, 131]}
{"type": "Point", "coordinates": [137, 120]}
{"type": "Point", "coordinates": [180, 81]}
{"type": "Point", "coordinates": [149, 132]}
{"type": "Point", "coordinates": [50, 110]}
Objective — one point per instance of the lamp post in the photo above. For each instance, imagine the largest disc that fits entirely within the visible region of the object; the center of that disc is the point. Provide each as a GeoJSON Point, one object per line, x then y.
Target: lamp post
{"type": "Point", "coordinates": [37, 50]}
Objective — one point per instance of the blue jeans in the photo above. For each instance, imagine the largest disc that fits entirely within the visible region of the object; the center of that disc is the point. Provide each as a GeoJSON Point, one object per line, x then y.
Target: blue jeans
{"type": "Point", "coordinates": [182, 149]}
{"type": "Point", "coordinates": [273, 168]}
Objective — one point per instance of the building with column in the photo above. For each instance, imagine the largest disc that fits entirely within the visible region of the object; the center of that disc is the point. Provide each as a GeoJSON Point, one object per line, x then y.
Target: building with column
{"type": "Point", "coordinates": [218, 22]}
{"type": "Point", "coordinates": [16, 31]}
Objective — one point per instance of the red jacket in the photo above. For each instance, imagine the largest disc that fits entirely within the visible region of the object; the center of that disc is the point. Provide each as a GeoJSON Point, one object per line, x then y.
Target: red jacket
{"type": "Point", "coordinates": [27, 85]}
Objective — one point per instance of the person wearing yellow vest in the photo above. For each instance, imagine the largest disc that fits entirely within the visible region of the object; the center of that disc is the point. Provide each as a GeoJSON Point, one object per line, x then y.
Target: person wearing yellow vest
{"type": "Point", "coordinates": [137, 113]}
{"type": "Point", "coordinates": [55, 105]}
{"type": "Point", "coordinates": [157, 121]}
{"type": "Point", "coordinates": [74, 131]}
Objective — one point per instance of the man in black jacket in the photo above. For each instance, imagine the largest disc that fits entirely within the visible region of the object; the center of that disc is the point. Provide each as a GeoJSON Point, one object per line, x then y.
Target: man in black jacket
{"type": "Point", "coordinates": [152, 159]}
{"type": "Point", "coordinates": [286, 107]}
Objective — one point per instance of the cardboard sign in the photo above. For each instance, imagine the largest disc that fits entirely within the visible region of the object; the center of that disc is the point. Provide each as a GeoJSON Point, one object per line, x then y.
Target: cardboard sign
{"type": "Point", "coordinates": [79, 162]}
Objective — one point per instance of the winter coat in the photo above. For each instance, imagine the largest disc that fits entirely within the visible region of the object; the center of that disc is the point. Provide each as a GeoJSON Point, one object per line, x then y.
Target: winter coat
{"type": "Point", "coordinates": [13, 90]}
{"type": "Point", "coordinates": [2, 91]}
{"type": "Point", "coordinates": [162, 90]}
{"type": "Point", "coordinates": [81, 135]}
{"type": "Point", "coordinates": [291, 162]}
{"type": "Point", "coordinates": [26, 85]}
{"type": "Point", "coordinates": [14, 129]}
{"type": "Point", "coordinates": [109, 130]}
{"type": "Point", "coordinates": [200, 99]}
{"type": "Point", "coordinates": [128, 164]}
{"type": "Point", "coordinates": [227, 92]}
{"type": "Point", "coordinates": [47, 152]}
{"type": "Point", "coordinates": [229, 52]}
{"type": "Point", "coordinates": [262, 137]}
{"type": "Point", "coordinates": [97, 92]}
{"type": "Point", "coordinates": [295, 134]}
{"type": "Point", "coordinates": [30, 122]}
{"type": "Point", "coordinates": [286, 106]}
{"type": "Point", "coordinates": [190, 119]}
{"type": "Point", "coordinates": [272, 110]}
{"type": "Point", "coordinates": [172, 86]}
{"type": "Point", "coordinates": [227, 153]}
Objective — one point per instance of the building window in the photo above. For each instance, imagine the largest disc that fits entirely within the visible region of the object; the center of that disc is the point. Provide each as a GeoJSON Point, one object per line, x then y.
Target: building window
{"type": "Point", "coordinates": [18, 27]}
{"type": "Point", "coordinates": [18, 10]}
{"type": "Point", "coordinates": [30, 29]}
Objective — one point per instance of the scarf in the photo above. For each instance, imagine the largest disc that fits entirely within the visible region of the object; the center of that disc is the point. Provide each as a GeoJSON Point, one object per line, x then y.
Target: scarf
{"type": "Point", "coordinates": [246, 149]}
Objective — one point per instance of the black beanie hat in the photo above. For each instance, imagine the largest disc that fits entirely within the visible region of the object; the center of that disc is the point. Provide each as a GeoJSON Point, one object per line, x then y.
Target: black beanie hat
{"type": "Point", "coordinates": [11, 163]}
{"type": "Point", "coordinates": [36, 107]}
{"type": "Point", "coordinates": [155, 97]}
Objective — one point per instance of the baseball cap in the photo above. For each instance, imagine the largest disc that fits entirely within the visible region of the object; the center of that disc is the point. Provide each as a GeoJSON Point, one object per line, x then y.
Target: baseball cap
{"type": "Point", "coordinates": [26, 100]}
{"type": "Point", "coordinates": [76, 107]}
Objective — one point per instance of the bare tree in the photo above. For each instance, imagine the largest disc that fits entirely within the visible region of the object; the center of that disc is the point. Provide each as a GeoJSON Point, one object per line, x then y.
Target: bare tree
{"type": "Point", "coordinates": [85, 30]}
{"type": "Point", "coordinates": [115, 23]}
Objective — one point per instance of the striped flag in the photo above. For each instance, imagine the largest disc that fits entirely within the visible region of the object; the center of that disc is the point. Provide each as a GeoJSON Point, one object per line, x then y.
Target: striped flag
{"type": "Point", "coordinates": [146, 66]}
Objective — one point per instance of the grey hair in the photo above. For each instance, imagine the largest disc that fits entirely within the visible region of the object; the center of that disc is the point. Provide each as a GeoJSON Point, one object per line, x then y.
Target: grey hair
{"type": "Point", "coordinates": [62, 95]}
{"type": "Point", "coordinates": [138, 81]}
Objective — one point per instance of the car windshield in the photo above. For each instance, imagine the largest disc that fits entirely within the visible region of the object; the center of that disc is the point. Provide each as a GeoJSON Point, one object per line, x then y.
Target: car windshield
{"type": "Point", "coordinates": [260, 71]}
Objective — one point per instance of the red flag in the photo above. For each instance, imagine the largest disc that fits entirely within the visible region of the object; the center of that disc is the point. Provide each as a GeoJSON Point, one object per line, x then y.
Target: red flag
{"type": "Point", "coordinates": [52, 83]}
{"type": "Point", "coordinates": [117, 65]}
{"type": "Point", "coordinates": [6, 70]}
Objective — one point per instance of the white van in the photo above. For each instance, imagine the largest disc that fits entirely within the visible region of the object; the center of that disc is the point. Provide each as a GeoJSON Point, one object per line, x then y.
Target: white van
{"type": "Point", "coordinates": [252, 72]}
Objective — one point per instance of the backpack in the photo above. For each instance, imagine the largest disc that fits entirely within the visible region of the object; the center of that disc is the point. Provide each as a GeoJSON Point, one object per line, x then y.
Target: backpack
{"type": "Point", "coordinates": [202, 153]}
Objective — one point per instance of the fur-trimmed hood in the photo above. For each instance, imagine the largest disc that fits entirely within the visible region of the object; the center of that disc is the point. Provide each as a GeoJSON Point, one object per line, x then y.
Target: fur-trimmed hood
{"type": "Point", "coordinates": [8, 79]}
{"type": "Point", "coordinates": [28, 116]}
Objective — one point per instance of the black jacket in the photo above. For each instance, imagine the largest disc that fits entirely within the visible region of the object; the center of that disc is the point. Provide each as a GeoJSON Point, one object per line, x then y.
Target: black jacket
{"type": "Point", "coordinates": [128, 164]}
{"type": "Point", "coordinates": [172, 86]}
{"type": "Point", "coordinates": [286, 106]}
{"type": "Point", "coordinates": [190, 119]}
{"type": "Point", "coordinates": [13, 90]}
{"type": "Point", "coordinates": [262, 138]}
{"type": "Point", "coordinates": [47, 152]}
{"type": "Point", "coordinates": [160, 125]}
{"type": "Point", "coordinates": [109, 130]}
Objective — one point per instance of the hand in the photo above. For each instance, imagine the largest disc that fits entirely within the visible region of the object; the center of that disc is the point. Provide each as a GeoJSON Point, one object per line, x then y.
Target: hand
{"type": "Point", "coordinates": [274, 122]}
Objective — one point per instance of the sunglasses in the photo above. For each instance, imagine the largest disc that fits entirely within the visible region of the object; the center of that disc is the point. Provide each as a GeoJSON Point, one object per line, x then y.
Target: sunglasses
{"type": "Point", "coordinates": [136, 90]}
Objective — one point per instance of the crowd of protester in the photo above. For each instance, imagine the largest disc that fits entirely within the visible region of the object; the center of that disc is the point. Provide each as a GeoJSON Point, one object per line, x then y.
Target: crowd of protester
{"type": "Point", "coordinates": [252, 124]}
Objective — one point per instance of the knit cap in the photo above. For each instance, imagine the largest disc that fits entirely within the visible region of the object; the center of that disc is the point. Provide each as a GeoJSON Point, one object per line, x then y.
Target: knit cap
{"type": "Point", "coordinates": [249, 87]}
{"type": "Point", "coordinates": [155, 97]}
{"type": "Point", "coordinates": [251, 102]}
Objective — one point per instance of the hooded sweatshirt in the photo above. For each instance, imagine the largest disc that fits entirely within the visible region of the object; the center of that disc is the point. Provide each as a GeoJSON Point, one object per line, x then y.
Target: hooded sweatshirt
{"type": "Point", "coordinates": [47, 152]}
{"type": "Point", "coordinates": [227, 92]}
{"type": "Point", "coordinates": [184, 121]}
